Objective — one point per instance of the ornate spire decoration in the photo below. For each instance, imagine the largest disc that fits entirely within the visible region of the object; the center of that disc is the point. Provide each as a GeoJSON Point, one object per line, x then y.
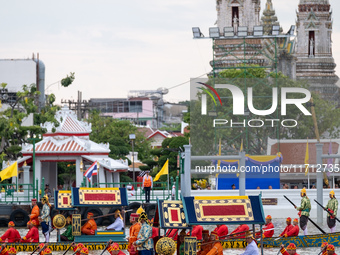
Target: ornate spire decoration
{"type": "Point", "coordinates": [269, 18]}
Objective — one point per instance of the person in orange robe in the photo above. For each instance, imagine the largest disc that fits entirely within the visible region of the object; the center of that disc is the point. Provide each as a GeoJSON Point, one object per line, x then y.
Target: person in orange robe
{"type": "Point", "coordinates": [288, 227]}
{"type": "Point", "coordinates": [222, 231]}
{"type": "Point", "coordinates": [217, 248]}
{"type": "Point", "coordinates": [134, 230]}
{"type": "Point", "coordinates": [291, 249]}
{"type": "Point", "coordinates": [197, 231]}
{"type": "Point", "coordinates": [35, 211]}
{"type": "Point", "coordinates": [5, 251]}
{"type": "Point", "coordinates": [11, 235]}
{"type": "Point", "coordinates": [240, 231]}
{"type": "Point", "coordinates": [269, 225]}
{"type": "Point", "coordinates": [331, 250]}
{"type": "Point", "coordinates": [32, 235]}
{"type": "Point", "coordinates": [90, 226]}
{"type": "Point", "coordinates": [294, 231]}
{"type": "Point", "coordinates": [205, 248]}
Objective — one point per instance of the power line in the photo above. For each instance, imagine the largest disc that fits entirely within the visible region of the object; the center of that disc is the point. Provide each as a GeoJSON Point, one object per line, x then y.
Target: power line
{"type": "Point", "coordinates": [186, 82]}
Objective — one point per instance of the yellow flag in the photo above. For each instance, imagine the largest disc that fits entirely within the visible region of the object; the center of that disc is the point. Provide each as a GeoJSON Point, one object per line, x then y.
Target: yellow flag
{"type": "Point", "coordinates": [164, 170]}
{"type": "Point", "coordinates": [306, 159]}
{"type": "Point", "coordinates": [9, 172]}
{"type": "Point", "coordinates": [241, 148]}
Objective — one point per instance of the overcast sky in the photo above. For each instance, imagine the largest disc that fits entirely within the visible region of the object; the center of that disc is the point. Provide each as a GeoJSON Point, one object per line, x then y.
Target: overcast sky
{"type": "Point", "coordinates": [116, 46]}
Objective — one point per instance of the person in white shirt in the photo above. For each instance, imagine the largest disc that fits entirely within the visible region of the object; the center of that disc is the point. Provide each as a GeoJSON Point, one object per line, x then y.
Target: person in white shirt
{"type": "Point", "coordinates": [147, 185]}
{"type": "Point", "coordinates": [251, 248]}
{"type": "Point", "coordinates": [118, 224]}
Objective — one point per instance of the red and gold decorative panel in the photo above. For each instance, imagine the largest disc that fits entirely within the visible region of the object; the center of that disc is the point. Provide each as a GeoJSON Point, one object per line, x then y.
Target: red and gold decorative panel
{"type": "Point", "coordinates": [223, 209]}
{"type": "Point", "coordinates": [172, 214]}
{"type": "Point", "coordinates": [64, 199]}
{"type": "Point", "coordinates": [99, 196]}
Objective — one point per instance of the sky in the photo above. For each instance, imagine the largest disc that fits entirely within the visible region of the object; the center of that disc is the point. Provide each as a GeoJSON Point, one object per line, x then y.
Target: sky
{"type": "Point", "coordinates": [116, 46]}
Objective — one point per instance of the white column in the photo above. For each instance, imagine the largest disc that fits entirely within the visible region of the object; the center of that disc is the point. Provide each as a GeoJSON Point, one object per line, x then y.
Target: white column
{"type": "Point", "coordinates": [101, 176]}
{"type": "Point", "coordinates": [26, 179]}
{"type": "Point", "coordinates": [38, 174]}
{"type": "Point", "coordinates": [79, 174]}
{"type": "Point", "coordinates": [116, 178]}
{"type": "Point", "coordinates": [109, 179]}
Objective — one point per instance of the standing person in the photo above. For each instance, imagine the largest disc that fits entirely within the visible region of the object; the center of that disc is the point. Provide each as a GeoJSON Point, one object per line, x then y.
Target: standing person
{"type": "Point", "coordinates": [32, 235]}
{"type": "Point", "coordinates": [268, 230]}
{"type": "Point", "coordinates": [290, 250]}
{"type": "Point", "coordinates": [45, 218]}
{"type": "Point", "coordinates": [294, 231]}
{"type": "Point", "coordinates": [134, 230]}
{"type": "Point", "coordinates": [216, 248]}
{"type": "Point", "coordinates": [118, 224]}
{"type": "Point", "coordinates": [222, 231]}
{"type": "Point", "coordinates": [35, 211]}
{"type": "Point", "coordinates": [288, 227]}
{"type": "Point", "coordinates": [90, 226]}
{"type": "Point", "coordinates": [304, 210]}
{"type": "Point", "coordinates": [332, 207]}
{"type": "Point", "coordinates": [251, 248]}
{"type": "Point", "coordinates": [11, 235]}
{"type": "Point", "coordinates": [147, 185]}
{"type": "Point", "coordinates": [144, 241]}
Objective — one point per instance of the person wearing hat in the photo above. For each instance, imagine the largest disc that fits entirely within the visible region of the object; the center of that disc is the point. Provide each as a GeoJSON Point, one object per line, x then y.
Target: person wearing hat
{"type": "Point", "coordinates": [239, 232]}
{"type": "Point", "coordinates": [222, 231]}
{"type": "Point", "coordinates": [84, 251]}
{"type": "Point", "coordinates": [294, 231]}
{"type": "Point", "coordinates": [144, 241]}
{"type": "Point", "coordinates": [290, 250]}
{"type": "Point", "coordinates": [216, 248]}
{"type": "Point", "coordinates": [46, 251]}
{"type": "Point", "coordinates": [205, 248]}
{"type": "Point", "coordinates": [331, 250]}
{"type": "Point", "coordinates": [11, 235]}
{"type": "Point", "coordinates": [251, 248]}
{"type": "Point", "coordinates": [332, 207]}
{"type": "Point", "coordinates": [114, 249]}
{"type": "Point", "coordinates": [5, 251]}
{"type": "Point", "coordinates": [32, 235]}
{"type": "Point", "coordinates": [134, 230]}
{"type": "Point", "coordinates": [147, 185]}
{"type": "Point", "coordinates": [67, 235]}
{"type": "Point", "coordinates": [35, 211]}
{"type": "Point", "coordinates": [288, 227]}
{"type": "Point", "coordinates": [304, 210]}
{"type": "Point", "coordinates": [118, 224]}
{"type": "Point", "coordinates": [268, 230]}
{"type": "Point", "coordinates": [77, 247]}
{"type": "Point", "coordinates": [324, 248]}
{"type": "Point", "coordinates": [45, 218]}
{"type": "Point", "coordinates": [90, 226]}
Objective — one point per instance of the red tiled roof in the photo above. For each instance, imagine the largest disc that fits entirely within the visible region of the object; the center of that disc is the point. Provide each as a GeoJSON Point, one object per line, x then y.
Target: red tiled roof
{"type": "Point", "coordinates": [50, 146]}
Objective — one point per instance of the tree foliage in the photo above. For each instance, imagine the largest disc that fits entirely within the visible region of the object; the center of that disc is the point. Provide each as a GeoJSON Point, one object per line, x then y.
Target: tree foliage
{"type": "Point", "coordinates": [205, 138]}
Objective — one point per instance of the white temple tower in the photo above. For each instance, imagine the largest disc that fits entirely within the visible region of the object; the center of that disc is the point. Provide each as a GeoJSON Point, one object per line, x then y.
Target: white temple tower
{"type": "Point", "coordinates": [313, 50]}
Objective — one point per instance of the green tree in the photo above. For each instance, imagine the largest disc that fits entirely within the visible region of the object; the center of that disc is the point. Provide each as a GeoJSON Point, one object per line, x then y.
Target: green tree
{"type": "Point", "coordinates": [205, 138]}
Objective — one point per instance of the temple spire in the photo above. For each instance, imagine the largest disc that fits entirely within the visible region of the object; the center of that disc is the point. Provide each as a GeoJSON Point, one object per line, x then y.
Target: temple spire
{"type": "Point", "coordinates": [269, 18]}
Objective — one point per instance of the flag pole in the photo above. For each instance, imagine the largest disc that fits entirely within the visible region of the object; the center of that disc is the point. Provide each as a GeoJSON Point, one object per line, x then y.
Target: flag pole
{"type": "Point", "coordinates": [168, 174]}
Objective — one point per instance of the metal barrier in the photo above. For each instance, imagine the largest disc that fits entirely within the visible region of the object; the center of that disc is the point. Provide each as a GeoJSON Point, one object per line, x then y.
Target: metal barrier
{"type": "Point", "coordinates": [16, 193]}
{"type": "Point", "coordinates": [160, 190]}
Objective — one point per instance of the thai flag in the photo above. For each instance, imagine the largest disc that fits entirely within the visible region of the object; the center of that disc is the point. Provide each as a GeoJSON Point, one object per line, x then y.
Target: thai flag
{"type": "Point", "coordinates": [92, 170]}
